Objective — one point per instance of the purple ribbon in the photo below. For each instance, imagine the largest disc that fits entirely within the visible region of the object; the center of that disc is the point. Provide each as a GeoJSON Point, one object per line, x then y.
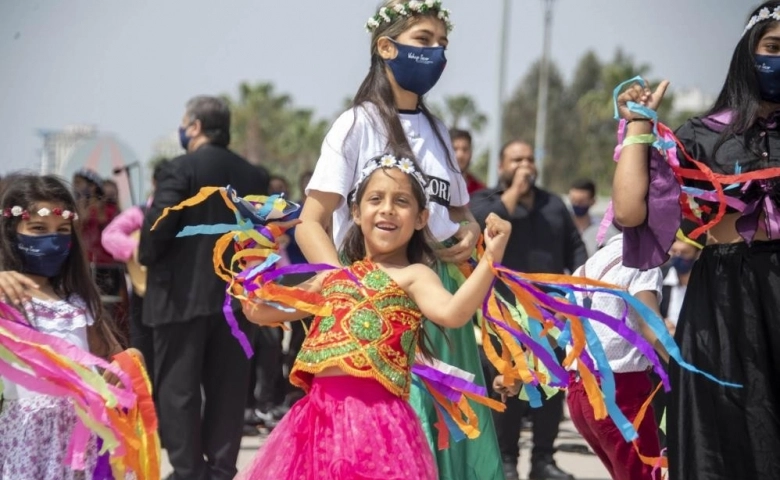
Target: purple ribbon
{"type": "Point", "coordinates": [227, 309]}
{"type": "Point", "coordinates": [447, 380]}
{"type": "Point", "coordinates": [531, 344]}
{"type": "Point", "coordinates": [102, 467]}
{"type": "Point", "coordinates": [747, 223]}
{"type": "Point", "coordinates": [615, 325]}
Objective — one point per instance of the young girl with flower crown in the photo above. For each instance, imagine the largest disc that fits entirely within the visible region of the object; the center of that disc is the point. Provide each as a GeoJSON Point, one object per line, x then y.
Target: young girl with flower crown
{"type": "Point", "coordinates": [356, 362]}
{"type": "Point", "coordinates": [41, 250]}
{"type": "Point", "coordinates": [408, 43]}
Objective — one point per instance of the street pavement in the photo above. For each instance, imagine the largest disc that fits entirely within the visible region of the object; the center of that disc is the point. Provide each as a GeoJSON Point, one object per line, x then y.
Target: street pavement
{"type": "Point", "coordinates": [584, 466]}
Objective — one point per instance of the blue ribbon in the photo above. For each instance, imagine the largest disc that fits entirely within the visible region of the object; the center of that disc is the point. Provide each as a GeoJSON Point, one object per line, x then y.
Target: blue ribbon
{"type": "Point", "coordinates": [641, 110]}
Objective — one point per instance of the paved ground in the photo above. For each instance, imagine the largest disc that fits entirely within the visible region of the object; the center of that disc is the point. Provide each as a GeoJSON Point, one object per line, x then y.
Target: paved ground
{"type": "Point", "coordinates": [582, 466]}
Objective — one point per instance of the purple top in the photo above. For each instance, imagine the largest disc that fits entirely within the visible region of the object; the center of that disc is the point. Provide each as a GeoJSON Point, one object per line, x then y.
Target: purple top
{"type": "Point", "coordinates": [647, 245]}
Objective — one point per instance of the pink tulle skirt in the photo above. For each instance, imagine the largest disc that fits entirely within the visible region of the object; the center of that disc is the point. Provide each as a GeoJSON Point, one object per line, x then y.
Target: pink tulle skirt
{"type": "Point", "coordinates": [346, 428]}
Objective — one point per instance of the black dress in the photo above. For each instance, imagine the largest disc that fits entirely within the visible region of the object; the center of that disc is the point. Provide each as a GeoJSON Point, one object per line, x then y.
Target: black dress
{"type": "Point", "coordinates": [729, 324]}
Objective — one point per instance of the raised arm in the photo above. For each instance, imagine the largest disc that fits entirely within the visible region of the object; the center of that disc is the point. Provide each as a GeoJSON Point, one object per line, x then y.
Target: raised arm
{"type": "Point", "coordinates": [453, 311]}
{"type": "Point", "coordinates": [632, 175]}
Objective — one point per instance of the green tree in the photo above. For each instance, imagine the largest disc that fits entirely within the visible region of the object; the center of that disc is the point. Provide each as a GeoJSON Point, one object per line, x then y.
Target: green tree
{"type": "Point", "coordinates": [269, 130]}
{"type": "Point", "coordinates": [581, 127]}
{"type": "Point", "coordinates": [520, 123]}
{"type": "Point", "coordinates": [461, 111]}
{"type": "Point", "coordinates": [595, 108]}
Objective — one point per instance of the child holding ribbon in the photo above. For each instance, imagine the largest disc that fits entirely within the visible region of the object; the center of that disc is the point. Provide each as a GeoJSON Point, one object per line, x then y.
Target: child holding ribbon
{"type": "Point", "coordinates": [356, 361]}
{"type": "Point", "coordinates": [40, 245]}
{"type": "Point", "coordinates": [720, 170]}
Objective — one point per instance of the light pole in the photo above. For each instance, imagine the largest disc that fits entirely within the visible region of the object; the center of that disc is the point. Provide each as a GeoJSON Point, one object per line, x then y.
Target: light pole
{"type": "Point", "coordinates": [497, 141]}
{"type": "Point", "coordinates": [544, 83]}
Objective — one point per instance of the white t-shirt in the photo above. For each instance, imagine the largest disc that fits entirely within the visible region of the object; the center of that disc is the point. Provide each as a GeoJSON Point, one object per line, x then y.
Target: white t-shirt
{"type": "Point", "coordinates": [676, 296]}
{"type": "Point", "coordinates": [622, 356]}
{"type": "Point", "coordinates": [341, 161]}
{"type": "Point", "coordinates": [66, 319]}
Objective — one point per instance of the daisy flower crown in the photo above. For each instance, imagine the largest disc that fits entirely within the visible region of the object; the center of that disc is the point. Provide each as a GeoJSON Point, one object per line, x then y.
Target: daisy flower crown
{"type": "Point", "coordinates": [390, 161]}
{"type": "Point", "coordinates": [408, 9]}
{"type": "Point", "coordinates": [18, 211]}
{"type": "Point", "coordinates": [762, 15]}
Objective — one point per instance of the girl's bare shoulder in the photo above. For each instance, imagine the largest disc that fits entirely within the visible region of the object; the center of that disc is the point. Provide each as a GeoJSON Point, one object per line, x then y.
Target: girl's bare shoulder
{"type": "Point", "coordinates": [408, 275]}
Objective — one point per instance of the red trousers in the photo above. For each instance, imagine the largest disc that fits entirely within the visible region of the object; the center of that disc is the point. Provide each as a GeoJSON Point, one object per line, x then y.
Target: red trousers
{"type": "Point", "coordinates": [603, 436]}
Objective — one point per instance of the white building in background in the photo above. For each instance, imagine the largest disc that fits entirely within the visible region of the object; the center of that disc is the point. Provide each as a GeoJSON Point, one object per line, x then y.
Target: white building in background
{"type": "Point", "coordinates": [58, 145]}
{"type": "Point", "coordinates": [167, 147]}
{"type": "Point", "coordinates": [692, 100]}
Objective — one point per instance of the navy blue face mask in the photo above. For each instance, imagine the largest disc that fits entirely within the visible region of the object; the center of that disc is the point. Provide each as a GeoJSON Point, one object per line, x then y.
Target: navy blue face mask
{"type": "Point", "coordinates": [768, 73]}
{"type": "Point", "coordinates": [43, 255]}
{"type": "Point", "coordinates": [417, 69]}
{"type": "Point", "coordinates": [580, 210]}
{"type": "Point", "coordinates": [184, 139]}
{"type": "Point", "coordinates": [682, 265]}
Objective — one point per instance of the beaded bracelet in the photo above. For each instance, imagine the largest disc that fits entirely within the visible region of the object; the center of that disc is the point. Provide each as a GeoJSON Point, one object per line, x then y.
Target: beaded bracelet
{"type": "Point", "coordinates": [645, 139]}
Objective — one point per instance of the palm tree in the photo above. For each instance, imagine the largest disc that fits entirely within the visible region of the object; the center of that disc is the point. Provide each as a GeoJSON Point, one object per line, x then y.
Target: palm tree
{"type": "Point", "coordinates": [267, 128]}
{"type": "Point", "coordinates": [461, 111]}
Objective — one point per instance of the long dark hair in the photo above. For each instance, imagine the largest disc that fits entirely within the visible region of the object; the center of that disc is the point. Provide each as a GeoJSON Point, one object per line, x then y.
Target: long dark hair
{"type": "Point", "coordinates": [417, 251]}
{"type": "Point", "coordinates": [377, 90]}
{"type": "Point", "coordinates": [26, 190]}
{"type": "Point", "coordinates": [740, 94]}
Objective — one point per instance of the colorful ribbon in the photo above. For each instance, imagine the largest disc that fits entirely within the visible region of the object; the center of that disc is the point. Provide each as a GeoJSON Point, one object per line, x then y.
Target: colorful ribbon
{"type": "Point", "coordinates": [49, 365]}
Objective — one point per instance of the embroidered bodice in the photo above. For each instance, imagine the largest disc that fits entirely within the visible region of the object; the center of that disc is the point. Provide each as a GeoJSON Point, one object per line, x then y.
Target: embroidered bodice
{"type": "Point", "coordinates": [372, 332]}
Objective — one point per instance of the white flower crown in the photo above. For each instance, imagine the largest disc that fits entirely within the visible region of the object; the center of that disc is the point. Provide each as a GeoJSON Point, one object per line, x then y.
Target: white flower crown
{"type": "Point", "coordinates": [389, 161]}
{"type": "Point", "coordinates": [408, 9]}
{"type": "Point", "coordinates": [18, 211]}
{"type": "Point", "coordinates": [763, 14]}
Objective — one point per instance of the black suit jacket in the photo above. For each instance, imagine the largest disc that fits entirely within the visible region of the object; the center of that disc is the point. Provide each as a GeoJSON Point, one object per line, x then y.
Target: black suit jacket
{"type": "Point", "coordinates": [543, 239]}
{"type": "Point", "coordinates": [181, 283]}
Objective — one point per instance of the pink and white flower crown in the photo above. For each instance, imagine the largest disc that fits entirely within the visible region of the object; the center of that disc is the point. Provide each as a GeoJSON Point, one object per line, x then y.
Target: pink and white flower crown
{"type": "Point", "coordinates": [18, 211]}
{"type": "Point", "coordinates": [390, 161]}
{"type": "Point", "coordinates": [408, 9]}
{"type": "Point", "coordinates": [762, 15]}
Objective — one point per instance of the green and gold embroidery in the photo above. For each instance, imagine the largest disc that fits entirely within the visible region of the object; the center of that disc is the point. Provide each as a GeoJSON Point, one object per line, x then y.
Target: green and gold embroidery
{"type": "Point", "coordinates": [365, 325]}
{"type": "Point", "coordinates": [376, 280]}
{"type": "Point", "coordinates": [374, 336]}
{"type": "Point", "coordinates": [327, 323]}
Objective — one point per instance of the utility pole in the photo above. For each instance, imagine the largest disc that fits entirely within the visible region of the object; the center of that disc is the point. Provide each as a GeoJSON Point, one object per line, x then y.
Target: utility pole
{"type": "Point", "coordinates": [492, 179]}
{"type": "Point", "coordinates": [544, 84]}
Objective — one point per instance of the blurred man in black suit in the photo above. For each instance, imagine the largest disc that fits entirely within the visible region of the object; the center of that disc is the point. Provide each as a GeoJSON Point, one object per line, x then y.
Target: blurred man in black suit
{"type": "Point", "coordinates": [193, 346]}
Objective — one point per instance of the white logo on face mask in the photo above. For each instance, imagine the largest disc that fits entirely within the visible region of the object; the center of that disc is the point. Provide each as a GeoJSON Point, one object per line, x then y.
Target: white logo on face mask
{"type": "Point", "coordinates": [420, 58]}
{"type": "Point", "coordinates": [763, 67]}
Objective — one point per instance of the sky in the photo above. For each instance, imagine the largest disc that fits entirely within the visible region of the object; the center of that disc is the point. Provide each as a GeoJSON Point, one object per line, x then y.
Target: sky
{"type": "Point", "coordinates": [129, 67]}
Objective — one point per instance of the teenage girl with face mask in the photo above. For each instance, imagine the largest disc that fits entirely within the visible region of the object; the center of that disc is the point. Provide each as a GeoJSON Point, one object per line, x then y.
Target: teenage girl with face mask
{"type": "Point", "coordinates": [408, 43]}
{"type": "Point", "coordinates": [38, 238]}
{"type": "Point", "coordinates": [729, 324]}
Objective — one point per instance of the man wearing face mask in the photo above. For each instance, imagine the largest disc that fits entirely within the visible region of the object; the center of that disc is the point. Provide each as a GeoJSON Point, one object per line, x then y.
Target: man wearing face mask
{"type": "Point", "coordinates": [544, 239]}
{"type": "Point", "coordinates": [582, 197]}
{"type": "Point", "coordinates": [194, 349]}
{"type": "Point", "coordinates": [684, 253]}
